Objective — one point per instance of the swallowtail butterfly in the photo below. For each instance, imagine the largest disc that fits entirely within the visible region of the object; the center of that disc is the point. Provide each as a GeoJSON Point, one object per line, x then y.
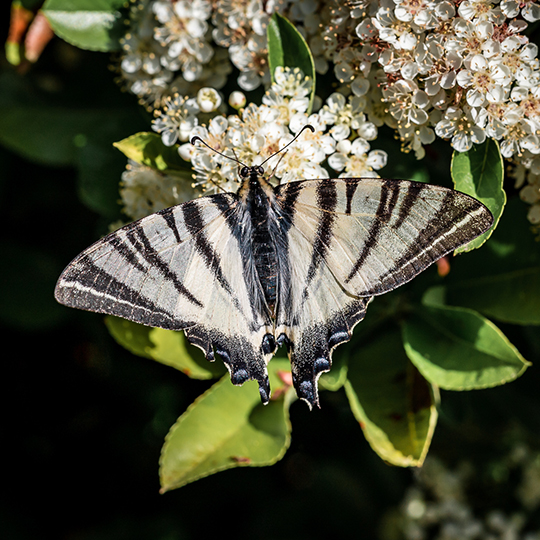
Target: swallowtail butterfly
{"type": "Point", "coordinates": [296, 265]}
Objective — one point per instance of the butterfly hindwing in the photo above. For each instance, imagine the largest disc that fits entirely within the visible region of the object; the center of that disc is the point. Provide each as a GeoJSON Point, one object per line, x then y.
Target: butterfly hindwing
{"type": "Point", "coordinates": [182, 269]}
{"type": "Point", "coordinates": [351, 239]}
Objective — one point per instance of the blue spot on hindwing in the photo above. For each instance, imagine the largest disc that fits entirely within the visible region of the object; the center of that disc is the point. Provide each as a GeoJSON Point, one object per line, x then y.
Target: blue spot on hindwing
{"type": "Point", "coordinates": [239, 377]}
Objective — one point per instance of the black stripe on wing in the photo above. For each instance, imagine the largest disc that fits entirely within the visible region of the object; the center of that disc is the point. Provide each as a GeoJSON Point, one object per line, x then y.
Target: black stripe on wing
{"type": "Point", "coordinates": [143, 247]}
{"type": "Point", "coordinates": [239, 229]}
{"type": "Point", "coordinates": [327, 201]}
{"type": "Point", "coordinates": [286, 197]}
{"type": "Point", "coordinates": [382, 217]}
{"type": "Point", "coordinates": [437, 238]}
{"type": "Point", "coordinates": [238, 354]}
{"type": "Point", "coordinates": [351, 185]}
{"type": "Point", "coordinates": [414, 192]}
{"type": "Point", "coordinates": [86, 286]}
{"type": "Point", "coordinates": [196, 227]}
{"type": "Point", "coordinates": [311, 352]}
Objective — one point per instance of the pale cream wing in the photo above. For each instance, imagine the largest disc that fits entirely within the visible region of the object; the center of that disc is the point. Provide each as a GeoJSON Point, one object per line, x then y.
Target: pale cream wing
{"type": "Point", "coordinates": [184, 268]}
{"type": "Point", "coordinates": [351, 239]}
{"type": "Point", "coordinates": [314, 317]}
{"type": "Point", "coordinates": [377, 234]}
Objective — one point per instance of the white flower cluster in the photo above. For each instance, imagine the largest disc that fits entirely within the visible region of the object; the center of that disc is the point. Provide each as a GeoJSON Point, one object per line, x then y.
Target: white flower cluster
{"type": "Point", "coordinates": [258, 132]}
{"type": "Point", "coordinates": [439, 502]}
{"type": "Point", "coordinates": [182, 46]}
{"type": "Point", "coordinates": [167, 51]}
{"type": "Point", "coordinates": [462, 71]}
{"type": "Point", "coordinates": [181, 114]}
{"type": "Point", "coordinates": [144, 191]}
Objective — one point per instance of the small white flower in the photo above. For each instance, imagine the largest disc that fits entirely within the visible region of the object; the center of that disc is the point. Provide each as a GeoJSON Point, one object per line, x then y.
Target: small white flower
{"type": "Point", "coordinates": [360, 86]}
{"type": "Point", "coordinates": [178, 118]}
{"type": "Point", "coordinates": [291, 82]}
{"type": "Point", "coordinates": [533, 215]}
{"type": "Point", "coordinates": [289, 93]}
{"type": "Point", "coordinates": [208, 99]}
{"type": "Point", "coordinates": [406, 103]}
{"type": "Point", "coordinates": [485, 80]}
{"type": "Point", "coordinates": [182, 31]}
{"type": "Point", "coordinates": [468, 38]}
{"type": "Point", "coordinates": [237, 99]}
{"type": "Point", "coordinates": [345, 115]}
{"type": "Point", "coordinates": [355, 159]}
{"type": "Point", "coordinates": [394, 31]}
{"type": "Point", "coordinates": [530, 10]}
{"type": "Point", "coordinates": [519, 138]}
{"type": "Point", "coordinates": [458, 125]}
{"type": "Point", "coordinates": [480, 10]}
{"type": "Point", "coordinates": [249, 80]}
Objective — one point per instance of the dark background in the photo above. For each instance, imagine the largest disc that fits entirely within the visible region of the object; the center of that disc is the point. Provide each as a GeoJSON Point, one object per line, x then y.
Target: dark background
{"type": "Point", "coordinates": [84, 420]}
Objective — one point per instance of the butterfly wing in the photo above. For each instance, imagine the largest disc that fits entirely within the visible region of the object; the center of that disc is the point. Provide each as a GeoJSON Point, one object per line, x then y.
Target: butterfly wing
{"type": "Point", "coordinates": [184, 268]}
{"type": "Point", "coordinates": [351, 239]}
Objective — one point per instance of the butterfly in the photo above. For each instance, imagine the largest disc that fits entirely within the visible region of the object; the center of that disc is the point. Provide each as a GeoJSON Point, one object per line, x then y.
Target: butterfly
{"type": "Point", "coordinates": [296, 265]}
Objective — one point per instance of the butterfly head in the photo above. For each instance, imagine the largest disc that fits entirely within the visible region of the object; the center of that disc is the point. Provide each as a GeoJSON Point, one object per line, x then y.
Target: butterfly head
{"type": "Point", "coordinates": [251, 172]}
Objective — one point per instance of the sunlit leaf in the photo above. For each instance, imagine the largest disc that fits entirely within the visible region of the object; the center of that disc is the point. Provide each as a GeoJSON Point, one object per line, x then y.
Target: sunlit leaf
{"type": "Point", "coordinates": [227, 427]}
{"type": "Point", "coordinates": [480, 173]}
{"type": "Point", "coordinates": [166, 346]}
{"type": "Point", "coordinates": [96, 25]}
{"type": "Point", "coordinates": [393, 403]}
{"type": "Point", "coordinates": [458, 349]}
{"type": "Point", "coordinates": [147, 149]}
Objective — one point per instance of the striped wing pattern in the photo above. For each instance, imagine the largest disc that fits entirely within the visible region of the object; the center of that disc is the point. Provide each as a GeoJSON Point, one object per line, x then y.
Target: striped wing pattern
{"type": "Point", "coordinates": [179, 269]}
{"type": "Point", "coordinates": [352, 239]}
{"type": "Point", "coordinates": [337, 243]}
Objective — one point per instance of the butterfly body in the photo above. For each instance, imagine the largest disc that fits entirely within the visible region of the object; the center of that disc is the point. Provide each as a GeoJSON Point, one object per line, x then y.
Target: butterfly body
{"type": "Point", "coordinates": [258, 199]}
{"type": "Point", "coordinates": [242, 274]}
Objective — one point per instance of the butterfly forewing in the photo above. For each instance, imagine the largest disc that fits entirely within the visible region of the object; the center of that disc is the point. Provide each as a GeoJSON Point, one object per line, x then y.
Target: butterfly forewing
{"type": "Point", "coordinates": [379, 234]}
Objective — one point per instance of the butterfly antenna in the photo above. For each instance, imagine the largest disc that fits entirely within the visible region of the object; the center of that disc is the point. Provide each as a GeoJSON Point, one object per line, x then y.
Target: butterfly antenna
{"type": "Point", "coordinates": [277, 165]}
{"type": "Point", "coordinates": [197, 138]}
{"type": "Point", "coordinates": [307, 126]}
{"type": "Point", "coordinates": [234, 154]}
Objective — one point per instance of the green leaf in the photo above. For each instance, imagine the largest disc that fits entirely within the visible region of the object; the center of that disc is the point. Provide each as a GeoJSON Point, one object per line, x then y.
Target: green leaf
{"type": "Point", "coordinates": [288, 48]}
{"type": "Point", "coordinates": [166, 346]}
{"type": "Point", "coordinates": [480, 173]}
{"type": "Point", "coordinates": [96, 25]}
{"type": "Point", "coordinates": [227, 427]}
{"type": "Point", "coordinates": [45, 135]}
{"type": "Point", "coordinates": [132, 336]}
{"type": "Point", "coordinates": [147, 149]}
{"type": "Point", "coordinates": [458, 349]}
{"type": "Point", "coordinates": [502, 281]}
{"type": "Point", "coordinates": [394, 404]}
{"type": "Point", "coordinates": [510, 296]}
